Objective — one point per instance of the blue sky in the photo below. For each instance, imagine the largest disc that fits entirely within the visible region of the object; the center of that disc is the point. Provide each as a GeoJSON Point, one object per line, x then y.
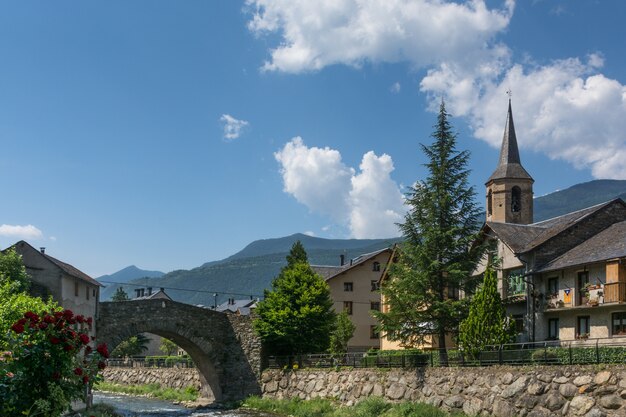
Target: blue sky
{"type": "Point", "coordinates": [168, 134]}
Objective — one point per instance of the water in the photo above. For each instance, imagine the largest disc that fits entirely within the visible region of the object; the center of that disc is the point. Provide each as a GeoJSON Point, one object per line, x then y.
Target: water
{"type": "Point", "coordinates": [130, 406]}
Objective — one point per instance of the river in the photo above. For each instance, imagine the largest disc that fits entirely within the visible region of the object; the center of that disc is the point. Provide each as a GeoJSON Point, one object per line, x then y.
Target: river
{"type": "Point", "coordinates": [130, 406]}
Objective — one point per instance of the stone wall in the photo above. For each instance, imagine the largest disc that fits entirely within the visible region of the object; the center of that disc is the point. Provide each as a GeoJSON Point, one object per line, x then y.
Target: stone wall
{"type": "Point", "coordinates": [166, 377]}
{"type": "Point", "coordinates": [494, 391]}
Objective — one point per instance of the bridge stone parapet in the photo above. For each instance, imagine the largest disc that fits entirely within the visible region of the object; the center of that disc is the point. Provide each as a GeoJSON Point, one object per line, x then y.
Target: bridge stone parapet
{"type": "Point", "coordinates": [223, 346]}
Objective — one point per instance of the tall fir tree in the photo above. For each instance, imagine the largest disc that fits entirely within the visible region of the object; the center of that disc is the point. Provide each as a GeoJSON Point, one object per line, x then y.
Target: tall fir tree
{"type": "Point", "coordinates": [436, 259]}
{"type": "Point", "coordinates": [296, 315]}
{"type": "Point", "coordinates": [487, 323]}
{"type": "Point", "coordinates": [120, 295]}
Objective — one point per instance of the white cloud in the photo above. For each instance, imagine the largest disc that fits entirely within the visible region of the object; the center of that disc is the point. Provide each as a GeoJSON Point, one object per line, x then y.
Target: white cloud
{"type": "Point", "coordinates": [368, 203]}
{"type": "Point", "coordinates": [566, 110]}
{"type": "Point", "coordinates": [395, 88]}
{"type": "Point", "coordinates": [310, 233]}
{"type": "Point", "coordinates": [232, 127]}
{"type": "Point", "coordinates": [316, 34]}
{"type": "Point", "coordinates": [20, 232]}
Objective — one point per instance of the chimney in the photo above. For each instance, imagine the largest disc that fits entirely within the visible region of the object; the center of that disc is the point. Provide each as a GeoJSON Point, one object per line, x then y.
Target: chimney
{"type": "Point", "coordinates": [162, 289]}
{"type": "Point", "coordinates": [350, 262]}
{"type": "Point", "coordinates": [137, 292]}
{"type": "Point", "coordinates": [342, 257]}
{"type": "Point", "coordinates": [42, 250]}
{"type": "Point", "coordinates": [149, 290]}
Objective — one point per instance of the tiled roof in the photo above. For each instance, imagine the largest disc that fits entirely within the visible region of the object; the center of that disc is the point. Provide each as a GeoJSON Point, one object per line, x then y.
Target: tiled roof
{"type": "Point", "coordinates": [327, 272]}
{"type": "Point", "coordinates": [608, 244]}
{"type": "Point", "coordinates": [236, 305]}
{"type": "Point", "coordinates": [524, 238]}
{"type": "Point", "coordinates": [158, 294]}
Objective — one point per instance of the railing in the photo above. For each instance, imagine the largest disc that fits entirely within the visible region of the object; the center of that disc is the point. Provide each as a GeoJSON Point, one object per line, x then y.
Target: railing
{"type": "Point", "coordinates": [578, 352]}
{"type": "Point", "coordinates": [151, 362]}
{"type": "Point", "coordinates": [615, 292]}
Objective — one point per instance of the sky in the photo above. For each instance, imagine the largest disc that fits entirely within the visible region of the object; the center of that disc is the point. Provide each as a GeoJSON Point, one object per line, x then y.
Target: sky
{"type": "Point", "coordinates": [166, 134]}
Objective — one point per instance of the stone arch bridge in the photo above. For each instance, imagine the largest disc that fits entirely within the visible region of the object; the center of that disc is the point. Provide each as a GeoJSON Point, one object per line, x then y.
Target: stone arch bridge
{"type": "Point", "coordinates": [223, 346]}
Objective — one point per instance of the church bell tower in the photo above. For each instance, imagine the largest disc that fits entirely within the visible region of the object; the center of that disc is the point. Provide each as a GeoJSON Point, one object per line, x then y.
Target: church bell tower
{"type": "Point", "coordinates": [510, 187]}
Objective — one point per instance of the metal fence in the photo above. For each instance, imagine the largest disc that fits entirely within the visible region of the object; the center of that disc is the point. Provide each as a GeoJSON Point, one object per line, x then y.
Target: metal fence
{"type": "Point", "coordinates": [151, 362]}
{"type": "Point", "coordinates": [577, 352]}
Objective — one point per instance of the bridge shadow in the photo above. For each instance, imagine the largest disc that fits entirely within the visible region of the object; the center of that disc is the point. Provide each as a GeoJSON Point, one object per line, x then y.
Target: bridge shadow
{"type": "Point", "coordinates": [223, 346]}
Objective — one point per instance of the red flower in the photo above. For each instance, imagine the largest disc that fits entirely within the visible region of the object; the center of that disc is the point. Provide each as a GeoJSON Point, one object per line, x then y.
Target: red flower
{"type": "Point", "coordinates": [21, 321]}
{"type": "Point", "coordinates": [102, 349]}
{"type": "Point", "coordinates": [48, 319]}
{"type": "Point", "coordinates": [58, 314]}
{"type": "Point", "coordinates": [43, 325]}
{"type": "Point", "coordinates": [80, 318]}
{"type": "Point", "coordinates": [88, 350]}
{"type": "Point", "coordinates": [55, 340]}
{"type": "Point", "coordinates": [85, 379]}
{"type": "Point", "coordinates": [17, 328]}
{"type": "Point", "coordinates": [68, 314]}
{"type": "Point", "coordinates": [84, 338]}
{"type": "Point", "coordinates": [78, 371]}
{"type": "Point", "coordinates": [101, 365]}
{"type": "Point", "coordinates": [31, 316]}
{"type": "Point", "coordinates": [72, 334]}
{"type": "Point", "coordinates": [68, 348]}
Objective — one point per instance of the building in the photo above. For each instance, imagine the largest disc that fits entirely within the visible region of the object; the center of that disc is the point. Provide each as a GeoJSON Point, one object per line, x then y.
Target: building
{"type": "Point", "coordinates": [354, 289]}
{"type": "Point", "coordinates": [241, 307]}
{"type": "Point", "coordinates": [562, 278]}
{"type": "Point", "coordinates": [148, 294]}
{"type": "Point", "coordinates": [70, 287]}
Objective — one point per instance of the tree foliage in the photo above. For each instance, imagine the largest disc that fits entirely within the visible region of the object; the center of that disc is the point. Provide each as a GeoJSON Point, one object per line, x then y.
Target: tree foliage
{"type": "Point", "coordinates": [436, 258]}
{"type": "Point", "coordinates": [168, 347]}
{"type": "Point", "coordinates": [296, 315]}
{"type": "Point", "coordinates": [341, 334]}
{"type": "Point", "coordinates": [120, 295]}
{"type": "Point", "coordinates": [133, 346]}
{"type": "Point", "coordinates": [487, 323]}
{"type": "Point", "coordinates": [12, 271]}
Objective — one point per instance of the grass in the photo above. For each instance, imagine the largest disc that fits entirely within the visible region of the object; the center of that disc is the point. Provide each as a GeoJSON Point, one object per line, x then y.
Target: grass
{"type": "Point", "coordinates": [370, 407]}
{"type": "Point", "coordinates": [151, 390]}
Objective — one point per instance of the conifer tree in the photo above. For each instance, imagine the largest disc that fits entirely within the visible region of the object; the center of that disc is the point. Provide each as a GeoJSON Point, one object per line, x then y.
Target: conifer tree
{"type": "Point", "coordinates": [120, 295]}
{"type": "Point", "coordinates": [296, 315]}
{"type": "Point", "coordinates": [487, 323]}
{"type": "Point", "coordinates": [436, 259]}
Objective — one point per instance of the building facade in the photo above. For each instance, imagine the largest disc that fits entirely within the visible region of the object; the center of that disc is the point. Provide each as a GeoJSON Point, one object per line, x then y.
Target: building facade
{"type": "Point", "coordinates": [354, 289]}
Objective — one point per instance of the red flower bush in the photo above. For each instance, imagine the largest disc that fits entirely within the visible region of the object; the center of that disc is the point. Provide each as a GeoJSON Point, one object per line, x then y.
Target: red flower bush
{"type": "Point", "coordinates": [48, 350]}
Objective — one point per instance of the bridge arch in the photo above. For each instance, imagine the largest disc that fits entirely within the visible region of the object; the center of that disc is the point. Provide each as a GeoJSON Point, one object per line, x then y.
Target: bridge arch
{"type": "Point", "coordinates": [223, 346]}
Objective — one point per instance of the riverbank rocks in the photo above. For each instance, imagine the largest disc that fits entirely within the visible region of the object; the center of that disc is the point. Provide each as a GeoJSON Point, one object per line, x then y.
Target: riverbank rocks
{"type": "Point", "coordinates": [166, 377]}
{"type": "Point", "coordinates": [588, 391]}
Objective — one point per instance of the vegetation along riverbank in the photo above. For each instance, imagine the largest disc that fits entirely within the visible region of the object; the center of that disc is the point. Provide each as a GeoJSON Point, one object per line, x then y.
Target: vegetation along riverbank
{"type": "Point", "coordinates": [151, 390]}
{"type": "Point", "coordinates": [370, 407]}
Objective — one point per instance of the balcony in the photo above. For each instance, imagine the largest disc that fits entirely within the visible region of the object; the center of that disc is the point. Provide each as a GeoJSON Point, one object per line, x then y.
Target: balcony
{"type": "Point", "coordinates": [592, 296]}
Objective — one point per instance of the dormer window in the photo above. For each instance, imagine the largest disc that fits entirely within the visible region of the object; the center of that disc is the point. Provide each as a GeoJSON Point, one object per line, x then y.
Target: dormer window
{"type": "Point", "coordinates": [516, 199]}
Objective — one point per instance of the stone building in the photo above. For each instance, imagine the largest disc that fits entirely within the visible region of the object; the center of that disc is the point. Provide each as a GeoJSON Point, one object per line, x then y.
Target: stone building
{"type": "Point", "coordinates": [562, 278]}
{"type": "Point", "coordinates": [354, 289]}
{"type": "Point", "coordinates": [70, 287]}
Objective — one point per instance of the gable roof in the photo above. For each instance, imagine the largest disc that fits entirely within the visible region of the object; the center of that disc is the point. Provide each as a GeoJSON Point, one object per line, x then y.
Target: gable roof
{"type": "Point", "coordinates": [155, 295]}
{"type": "Point", "coordinates": [525, 238]}
{"type": "Point", "coordinates": [65, 267]}
{"type": "Point", "coordinates": [608, 244]}
{"type": "Point", "coordinates": [329, 271]}
{"type": "Point", "coordinates": [243, 306]}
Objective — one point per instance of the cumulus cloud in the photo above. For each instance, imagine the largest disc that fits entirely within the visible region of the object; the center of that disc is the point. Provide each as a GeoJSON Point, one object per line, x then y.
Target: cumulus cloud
{"type": "Point", "coordinates": [395, 87]}
{"type": "Point", "coordinates": [310, 233]}
{"type": "Point", "coordinates": [565, 109]}
{"type": "Point", "coordinates": [20, 232]}
{"type": "Point", "coordinates": [368, 202]}
{"type": "Point", "coordinates": [232, 127]}
{"type": "Point", "coordinates": [316, 34]}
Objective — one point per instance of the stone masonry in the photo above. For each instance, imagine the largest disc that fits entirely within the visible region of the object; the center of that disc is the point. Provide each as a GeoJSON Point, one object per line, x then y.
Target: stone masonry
{"type": "Point", "coordinates": [166, 377]}
{"type": "Point", "coordinates": [223, 346]}
{"type": "Point", "coordinates": [590, 391]}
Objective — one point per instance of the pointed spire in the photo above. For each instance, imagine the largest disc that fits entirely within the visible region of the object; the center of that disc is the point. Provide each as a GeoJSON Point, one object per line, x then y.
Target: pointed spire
{"type": "Point", "coordinates": [509, 165]}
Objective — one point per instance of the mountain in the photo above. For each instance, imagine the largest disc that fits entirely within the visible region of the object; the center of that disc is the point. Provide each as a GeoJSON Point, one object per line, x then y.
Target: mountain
{"type": "Point", "coordinates": [124, 276]}
{"type": "Point", "coordinates": [251, 270]}
{"type": "Point", "coordinates": [248, 272]}
{"type": "Point", "coordinates": [577, 197]}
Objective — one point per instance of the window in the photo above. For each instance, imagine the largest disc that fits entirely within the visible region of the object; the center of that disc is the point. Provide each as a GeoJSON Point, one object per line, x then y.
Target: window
{"type": "Point", "coordinates": [583, 280]}
{"type": "Point", "coordinates": [519, 323]}
{"type": "Point", "coordinates": [582, 327]}
{"type": "Point", "coordinates": [619, 324]}
{"type": "Point", "coordinates": [489, 203]}
{"type": "Point", "coordinates": [515, 282]}
{"type": "Point", "coordinates": [347, 286]}
{"type": "Point", "coordinates": [375, 305]}
{"type": "Point", "coordinates": [516, 199]}
{"type": "Point", "coordinates": [94, 293]}
{"type": "Point", "coordinates": [553, 286]}
{"type": "Point", "coordinates": [347, 307]}
{"type": "Point", "coordinates": [76, 289]}
{"type": "Point", "coordinates": [87, 292]}
{"type": "Point", "coordinates": [375, 285]}
{"type": "Point", "coordinates": [374, 334]}
{"type": "Point", "coordinates": [553, 329]}
{"type": "Point", "coordinates": [376, 266]}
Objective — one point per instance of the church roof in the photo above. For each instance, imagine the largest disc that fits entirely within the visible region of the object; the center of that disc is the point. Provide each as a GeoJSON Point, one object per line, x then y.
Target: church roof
{"type": "Point", "coordinates": [509, 164]}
